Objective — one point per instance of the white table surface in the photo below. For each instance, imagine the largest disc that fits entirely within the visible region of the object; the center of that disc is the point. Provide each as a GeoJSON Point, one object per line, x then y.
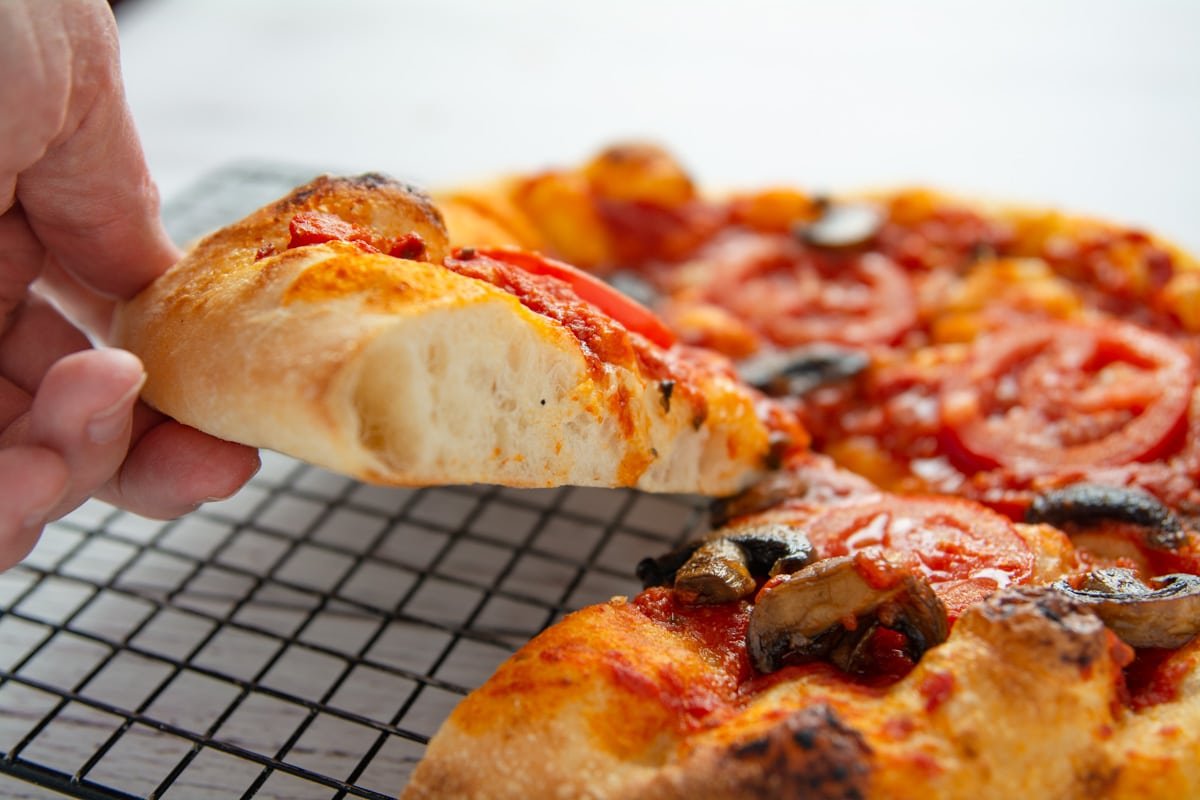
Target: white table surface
{"type": "Point", "coordinates": [1093, 106]}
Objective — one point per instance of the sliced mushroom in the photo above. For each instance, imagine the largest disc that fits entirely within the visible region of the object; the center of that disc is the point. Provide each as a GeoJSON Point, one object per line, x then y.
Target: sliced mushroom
{"type": "Point", "coordinates": [1087, 504]}
{"type": "Point", "coordinates": [716, 573]}
{"type": "Point", "coordinates": [1166, 616]}
{"type": "Point", "coordinates": [771, 548]}
{"type": "Point", "coordinates": [727, 564]}
{"type": "Point", "coordinates": [843, 225]}
{"type": "Point", "coordinates": [829, 609]}
{"type": "Point", "coordinates": [795, 372]}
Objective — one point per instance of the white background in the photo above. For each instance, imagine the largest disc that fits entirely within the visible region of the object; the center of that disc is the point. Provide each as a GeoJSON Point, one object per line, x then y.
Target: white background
{"type": "Point", "coordinates": [1093, 106]}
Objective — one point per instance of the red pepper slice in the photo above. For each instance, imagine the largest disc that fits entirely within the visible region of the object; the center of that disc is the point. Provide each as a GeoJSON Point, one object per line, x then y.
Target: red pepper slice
{"type": "Point", "coordinates": [633, 315]}
{"type": "Point", "coordinates": [317, 227]}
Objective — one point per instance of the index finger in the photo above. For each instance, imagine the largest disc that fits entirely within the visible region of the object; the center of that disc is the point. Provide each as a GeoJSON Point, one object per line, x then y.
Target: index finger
{"type": "Point", "coordinates": [89, 198]}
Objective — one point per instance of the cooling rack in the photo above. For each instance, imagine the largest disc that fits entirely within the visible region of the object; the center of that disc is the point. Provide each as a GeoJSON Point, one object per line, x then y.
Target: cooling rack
{"type": "Point", "coordinates": [302, 639]}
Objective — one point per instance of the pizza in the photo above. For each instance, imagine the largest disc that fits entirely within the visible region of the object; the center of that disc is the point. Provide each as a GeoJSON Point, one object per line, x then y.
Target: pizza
{"type": "Point", "coordinates": [982, 579]}
{"type": "Point", "coordinates": [339, 325]}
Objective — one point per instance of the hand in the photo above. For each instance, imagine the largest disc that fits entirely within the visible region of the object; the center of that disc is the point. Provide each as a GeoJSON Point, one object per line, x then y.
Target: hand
{"type": "Point", "coordinates": [79, 224]}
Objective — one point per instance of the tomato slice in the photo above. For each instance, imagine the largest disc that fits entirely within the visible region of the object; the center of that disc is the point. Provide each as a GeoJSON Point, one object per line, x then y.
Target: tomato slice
{"type": "Point", "coordinates": [795, 295]}
{"type": "Point", "coordinates": [630, 313]}
{"type": "Point", "coordinates": [1063, 395]}
{"type": "Point", "coordinates": [966, 551]}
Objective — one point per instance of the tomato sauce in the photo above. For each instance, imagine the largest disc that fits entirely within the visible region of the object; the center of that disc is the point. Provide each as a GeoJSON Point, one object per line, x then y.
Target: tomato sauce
{"type": "Point", "coordinates": [936, 688]}
{"type": "Point", "coordinates": [719, 630]}
{"type": "Point", "coordinates": [1154, 677]}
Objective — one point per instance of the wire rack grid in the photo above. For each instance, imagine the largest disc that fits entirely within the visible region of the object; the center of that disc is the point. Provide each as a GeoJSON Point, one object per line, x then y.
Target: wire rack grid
{"type": "Point", "coordinates": [302, 639]}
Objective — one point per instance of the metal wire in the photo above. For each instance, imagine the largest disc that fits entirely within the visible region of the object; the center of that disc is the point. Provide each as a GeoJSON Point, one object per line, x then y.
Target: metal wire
{"type": "Point", "coordinates": [304, 638]}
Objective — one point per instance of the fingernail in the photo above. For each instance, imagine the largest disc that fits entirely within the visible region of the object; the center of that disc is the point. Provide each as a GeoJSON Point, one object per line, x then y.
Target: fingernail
{"type": "Point", "coordinates": [112, 422]}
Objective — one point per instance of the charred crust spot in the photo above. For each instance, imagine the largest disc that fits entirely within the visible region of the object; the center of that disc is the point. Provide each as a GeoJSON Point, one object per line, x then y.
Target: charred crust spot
{"type": "Point", "coordinates": [666, 388]}
{"type": "Point", "coordinates": [302, 194]}
{"type": "Point", "coordinates": [1047, 619]}
{"type": "Point", "coordinates": [805, 738]}
{"type": "Point", "coordinates": [377, 180]}
{"type": "Point", "coordinates": [812, 754]}
{"type": "Point", "coordinates": [323, 186]}
{"type": "Point", "coordinates": [778, 446]}
{"type": "Point", "coordinates": [753, 748]}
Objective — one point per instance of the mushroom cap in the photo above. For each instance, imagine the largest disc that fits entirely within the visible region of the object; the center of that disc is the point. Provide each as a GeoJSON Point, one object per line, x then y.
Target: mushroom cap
{"type": "Point", "coordinates": [829, 608]}
{"type": "Point", "coordinates": [1167, 616]}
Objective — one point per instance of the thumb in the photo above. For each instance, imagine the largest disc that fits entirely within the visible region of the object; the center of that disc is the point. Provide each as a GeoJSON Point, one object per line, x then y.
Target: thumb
{"type": "Point", "coordinates": [82, 414]}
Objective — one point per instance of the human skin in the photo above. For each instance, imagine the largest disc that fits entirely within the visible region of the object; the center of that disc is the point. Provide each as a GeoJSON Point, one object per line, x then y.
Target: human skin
{"type": "Point", "coordinates": [80, 230]}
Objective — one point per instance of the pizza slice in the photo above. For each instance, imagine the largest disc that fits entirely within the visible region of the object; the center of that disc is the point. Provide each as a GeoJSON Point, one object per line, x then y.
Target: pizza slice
{"type": "Point", "coordinates": [337, 325]}
{"type": "Point", "coordinates": [830, 640]}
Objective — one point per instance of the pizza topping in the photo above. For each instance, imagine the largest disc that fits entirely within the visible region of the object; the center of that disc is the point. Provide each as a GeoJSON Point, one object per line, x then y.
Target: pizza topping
{"type": "Point", "coordinates": [1156, 676]}
{"type": "Point", "coordinates": [631, 314]}
{"type": "Point", "coordinates": [718, 630]}
{"type": "Point", "coordinates": [936, 687]}
{"type": "Point", "coordinates": [318, 227]}
{"type": "Point", "coordinates": [716, 573]}
{"type": "Point", "coordinates": [926, 232]}
{"type": "Point", "coordinates": [727, 565]}
{"type": "Point", "coordinates": [833, 608]}
{"type": "Point", "coordinates": [1166, 616]}
{"type": "Point", "coordinates": [792, 294]}
{"type": "Point", "coordinates": [772, 548]}
{"type": "Point", "coordinates": [843, 225]}
{"type": "Point", "coordinates": [1087, 504]}
{"type": "Point", "coordinates": [782, 373]}
{"type": "Point", "coordinates": [1051, 395]}
{"type": "Point", "coordinates": [964, 550]}
{"type": "Point", "coordinates": [603, 337]}
{"type": "Point", "coordinates": [410, 246]}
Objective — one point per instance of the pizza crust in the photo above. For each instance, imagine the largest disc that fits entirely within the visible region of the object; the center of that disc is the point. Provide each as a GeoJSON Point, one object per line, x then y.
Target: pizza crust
{"type": "Point", "coordinates": [405, 372]}
{"type": "Point", "coordinates": [1019, 702]}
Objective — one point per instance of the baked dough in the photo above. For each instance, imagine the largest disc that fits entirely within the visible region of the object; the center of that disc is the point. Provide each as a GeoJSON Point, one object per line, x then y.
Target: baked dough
{"type": "Point", "coordinates": [405, 372]}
